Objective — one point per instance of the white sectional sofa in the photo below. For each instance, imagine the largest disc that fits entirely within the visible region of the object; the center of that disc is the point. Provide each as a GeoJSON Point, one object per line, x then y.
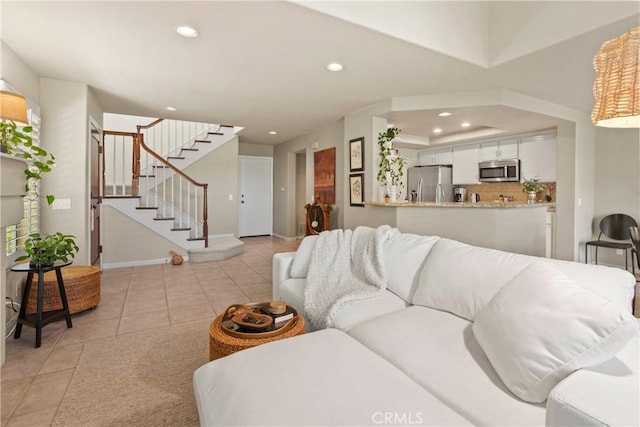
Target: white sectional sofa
{"type": "Point", "coordinates": [462, 336]}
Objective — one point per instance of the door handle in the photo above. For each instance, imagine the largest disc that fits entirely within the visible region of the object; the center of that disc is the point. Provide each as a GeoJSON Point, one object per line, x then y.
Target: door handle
{"type": "Point", "coordinates": [242, 201]}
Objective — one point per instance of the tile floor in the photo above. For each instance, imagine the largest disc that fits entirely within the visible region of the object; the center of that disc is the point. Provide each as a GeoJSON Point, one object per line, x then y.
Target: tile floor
{"type": "Point", "coordinates": [34, 381]}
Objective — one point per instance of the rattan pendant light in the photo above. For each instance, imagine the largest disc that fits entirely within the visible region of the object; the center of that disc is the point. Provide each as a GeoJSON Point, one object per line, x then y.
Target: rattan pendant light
{"type": "Point", "coordinates": [617, 86]}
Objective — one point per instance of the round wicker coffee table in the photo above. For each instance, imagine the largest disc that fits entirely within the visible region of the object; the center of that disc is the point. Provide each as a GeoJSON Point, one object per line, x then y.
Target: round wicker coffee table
{"type": "Point", "coordinates": [221, 343]}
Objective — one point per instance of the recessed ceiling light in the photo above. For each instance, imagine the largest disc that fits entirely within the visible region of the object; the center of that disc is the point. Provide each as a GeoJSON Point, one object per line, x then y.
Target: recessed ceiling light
{"type": "Point", "coordinates": [170, 108]}
{"type": "Point", "coordinates": [444, 114]}
{"type": "Point", "coordinates": [186, 31]}
{"type": "Point", "coordinates": [437, 130]}
{"type": "Point", "coordinates": [273, 132]}
{"type": "Point", "coordinates": [334, 66]}
{"type": "Point", "coordinates": [465, 124]}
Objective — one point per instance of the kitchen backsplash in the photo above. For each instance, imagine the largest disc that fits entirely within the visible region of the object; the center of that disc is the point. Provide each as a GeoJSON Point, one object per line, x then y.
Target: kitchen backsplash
{"type": "Point", "coordinates": [490, 192]}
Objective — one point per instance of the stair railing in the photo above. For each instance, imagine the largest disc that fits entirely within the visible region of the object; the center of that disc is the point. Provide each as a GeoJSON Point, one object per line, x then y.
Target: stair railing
{"type": "Point", "coordinates": [166, 136]}
{"type": "Point", "coordinates": [177, 196]}
{"type": "Point", "coordinates": [134, 170]}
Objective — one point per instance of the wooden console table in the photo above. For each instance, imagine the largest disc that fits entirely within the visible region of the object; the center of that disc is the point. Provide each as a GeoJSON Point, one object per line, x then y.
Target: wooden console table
{"type": "Point", "coordinates": [40, 319]}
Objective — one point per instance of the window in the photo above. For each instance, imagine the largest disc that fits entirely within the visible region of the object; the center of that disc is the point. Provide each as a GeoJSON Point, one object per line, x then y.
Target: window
{"type": "Point", "coordinates": [17, 234]}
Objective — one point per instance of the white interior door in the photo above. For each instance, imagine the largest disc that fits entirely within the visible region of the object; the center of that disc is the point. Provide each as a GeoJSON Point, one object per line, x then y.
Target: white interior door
{"type": "Point", "coordinates": [256, 196]}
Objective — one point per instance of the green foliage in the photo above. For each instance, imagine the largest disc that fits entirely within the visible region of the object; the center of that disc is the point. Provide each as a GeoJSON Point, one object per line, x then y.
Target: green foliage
{"type": "Point", "coordinates": [43, 249]}
{"type": "Point", "coordinates": [391, 166]}
{"type": "Point", "coordinates": [18, 143]}
{"type": "Point", "coordinates": [529, 185]}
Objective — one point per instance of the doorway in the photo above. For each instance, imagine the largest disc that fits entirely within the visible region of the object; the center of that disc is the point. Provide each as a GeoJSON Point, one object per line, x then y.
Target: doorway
{"type": "Point", "coordinates": [255, 211]}
{"type": "Point", "coordinates": [95, 148]}
{"type": "Point", "coordinates": [301, 193]}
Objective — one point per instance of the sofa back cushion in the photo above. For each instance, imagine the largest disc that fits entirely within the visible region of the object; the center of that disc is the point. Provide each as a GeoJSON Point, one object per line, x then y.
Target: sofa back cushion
{"type": "Point", "coordinates": [403, 256]}
{"type": "Point", "coordinates": [461, 279]}
{"type": "Point", "coordinates": [542, 326]}
{"type": "Point", "coordinates": [302, 258]}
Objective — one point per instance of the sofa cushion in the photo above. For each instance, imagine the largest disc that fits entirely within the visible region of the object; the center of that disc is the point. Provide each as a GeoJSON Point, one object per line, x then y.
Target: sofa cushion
{"type": "Point", "coordinates": [461, 279]}
{"type": "Point", "coordinates": [322, 378]}
{"type": "Point", "coordinates": [438, 350]}
{"type": "Point", "coordinates": [302, 258]}
{"type": "Point", "coordinates": [615, 284]}
{"type": "Point", "coordinates": [292, 291]}
{"type": "Point", "coordinates": [587, 396]}
{"type": "Point", "coordinates": [549, 327]}
{"type": "Point", "coordinates": [403, 256]}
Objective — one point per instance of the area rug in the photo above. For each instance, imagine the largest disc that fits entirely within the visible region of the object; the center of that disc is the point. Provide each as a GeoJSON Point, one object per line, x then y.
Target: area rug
{"type": "Point", "coordinates": [140, 379]}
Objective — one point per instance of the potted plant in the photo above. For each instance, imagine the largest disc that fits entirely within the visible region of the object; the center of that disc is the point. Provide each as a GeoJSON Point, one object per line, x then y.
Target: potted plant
{"type": "Point", "coordinates": [391, 166]}
{"type": "Point", "coordinates": [44, 249]}
{"type": "Point", "coordinates": [532, 186]}
{"type": "Point", "coordinates": [16, 142]}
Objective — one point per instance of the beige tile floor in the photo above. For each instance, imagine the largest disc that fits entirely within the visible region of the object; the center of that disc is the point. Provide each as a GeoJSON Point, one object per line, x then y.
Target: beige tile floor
{"type": "Point", "coordinates": [34, 381]}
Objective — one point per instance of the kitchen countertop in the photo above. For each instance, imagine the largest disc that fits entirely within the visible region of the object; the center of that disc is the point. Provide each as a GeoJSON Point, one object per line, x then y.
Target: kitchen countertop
{"type": "Point", "coordinates": [491, 205]}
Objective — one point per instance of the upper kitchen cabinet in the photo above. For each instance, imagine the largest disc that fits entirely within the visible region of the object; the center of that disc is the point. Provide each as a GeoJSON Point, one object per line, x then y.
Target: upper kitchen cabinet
{"type": "Point", "coordinates": [465, 165]}
{"type": "Point", "coordinates": [538, 157]}
{"type": "Point", "coordinates": [435, 156]}
{"type": "Point", "coordinates": [499, 150]}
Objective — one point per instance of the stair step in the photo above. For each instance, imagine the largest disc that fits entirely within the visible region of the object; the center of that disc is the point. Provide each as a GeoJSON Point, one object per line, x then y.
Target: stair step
{"type": "Point", "coordinates": [146, 176]}
{"type": "Point", "coordinates": [160, 166]}
{"type": "Point", "coordinates": [164, 218]}
{"type": "Point", "coordinates": [203, 140]}
{"type": "Point", "coordinates": [146, 207]}
{"type": "Point", "coordinates": [181, 229]}
{"type": "Point", "coordinates": [193, 239]}
{"type": "Point", "coordinates": [218, 250]}
{"type": "Point", "coordinates": [227, 126]}
{"type": "Point", "coordinates": [215, 133]}
{"type": "Point", "coordinates": [175, 157]}
{"type": "Point", "coordinates": [189, 149]}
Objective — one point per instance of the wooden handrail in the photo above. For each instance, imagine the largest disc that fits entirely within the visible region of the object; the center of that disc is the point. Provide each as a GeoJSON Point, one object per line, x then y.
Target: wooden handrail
{"type": "Point", "coordinates": [140, 140]}
{"type": "Point", "coordinates": [153, 123]}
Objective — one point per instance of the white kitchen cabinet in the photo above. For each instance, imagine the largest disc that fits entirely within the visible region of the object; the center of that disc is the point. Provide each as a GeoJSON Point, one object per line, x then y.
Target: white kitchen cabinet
{"type": "Point", "coordinates": [499, 150]}
{"type": "Point", "coordinates": [538, 157]}
{"type": "Point", "coordinates": [465, 165]}
{"type": "Point", "coordinates": [436, 156]}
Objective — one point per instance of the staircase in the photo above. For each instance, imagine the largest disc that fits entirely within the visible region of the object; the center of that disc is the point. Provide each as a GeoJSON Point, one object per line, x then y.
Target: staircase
{"type": "Point", "coordinates": [144, 179]}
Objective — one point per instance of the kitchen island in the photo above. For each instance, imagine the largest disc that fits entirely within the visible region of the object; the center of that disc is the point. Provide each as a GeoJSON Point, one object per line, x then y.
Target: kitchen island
{"type": "Point", "coordinates": [508, 226]}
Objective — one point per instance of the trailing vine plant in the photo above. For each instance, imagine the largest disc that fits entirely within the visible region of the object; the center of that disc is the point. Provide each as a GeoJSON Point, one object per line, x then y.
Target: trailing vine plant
{"type": "Point", "coordinates": [391, 166]}
{"type": "Point", "coordinates": [19, 143]}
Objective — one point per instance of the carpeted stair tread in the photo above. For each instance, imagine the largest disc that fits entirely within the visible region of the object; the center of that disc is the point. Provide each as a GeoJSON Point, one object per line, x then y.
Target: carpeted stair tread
{"type": "Point", "coordinates": [218, 250]}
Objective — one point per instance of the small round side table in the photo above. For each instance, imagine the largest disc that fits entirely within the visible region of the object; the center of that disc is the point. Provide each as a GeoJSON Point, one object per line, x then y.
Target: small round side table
{"type": "Point", "coordinates": [41, 319]}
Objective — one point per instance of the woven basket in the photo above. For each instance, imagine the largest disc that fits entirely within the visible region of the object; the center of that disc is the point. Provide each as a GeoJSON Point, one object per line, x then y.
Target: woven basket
{"type": "Point", "coordinates": [222, 344]}
{"type": "Point", "coordinates": [81, 284]}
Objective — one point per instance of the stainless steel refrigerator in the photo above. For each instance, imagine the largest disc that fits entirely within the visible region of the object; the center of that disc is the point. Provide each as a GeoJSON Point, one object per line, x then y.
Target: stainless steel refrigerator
{"type": "Point", "coordinates": [430, 183]}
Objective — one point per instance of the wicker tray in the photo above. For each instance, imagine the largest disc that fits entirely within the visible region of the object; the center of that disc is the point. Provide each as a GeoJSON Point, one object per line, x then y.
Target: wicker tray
{"type": "Point", "coordinates": [81, 284]}
{"type": "Point", "coordinates": [274, 329]}
{"type": "Point", "coordinates": [223, 343]}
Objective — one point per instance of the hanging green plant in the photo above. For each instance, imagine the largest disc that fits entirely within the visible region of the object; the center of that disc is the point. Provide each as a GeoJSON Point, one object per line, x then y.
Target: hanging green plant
{"type": "Point", "coordinates": [391, 166]}
{"type": "Point", "coordinates": [18, 142]}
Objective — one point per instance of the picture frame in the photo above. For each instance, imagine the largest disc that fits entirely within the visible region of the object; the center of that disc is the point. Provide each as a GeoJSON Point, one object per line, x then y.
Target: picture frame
{"type": "Point", "coordinates": [356, 189]}
{"type": "Point", "coordinates": [356, 154]}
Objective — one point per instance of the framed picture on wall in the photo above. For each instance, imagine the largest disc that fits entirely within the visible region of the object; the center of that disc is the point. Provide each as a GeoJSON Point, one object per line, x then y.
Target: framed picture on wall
{"type": "Point", "coordinates": [356, 154]}
{"type": "Point", "coordinates": [324, 175]}
{"type": "Point", "coordinates": [356, 189]}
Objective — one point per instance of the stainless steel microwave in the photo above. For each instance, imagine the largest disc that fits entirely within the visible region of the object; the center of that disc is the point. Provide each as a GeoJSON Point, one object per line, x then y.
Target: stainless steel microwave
{"type": "Point", "coordinates": [499, 170]}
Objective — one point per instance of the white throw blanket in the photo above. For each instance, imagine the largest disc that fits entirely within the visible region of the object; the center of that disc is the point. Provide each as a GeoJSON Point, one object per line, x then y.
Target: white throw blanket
{"type": "Point", "coordinates": [346, 266]}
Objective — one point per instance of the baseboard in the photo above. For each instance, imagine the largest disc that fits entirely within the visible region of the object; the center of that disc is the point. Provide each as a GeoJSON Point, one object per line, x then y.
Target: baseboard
{"type": "Point", "coordinates": [137, 263]}
{"type": "Point", "coordinates": [288, 239]}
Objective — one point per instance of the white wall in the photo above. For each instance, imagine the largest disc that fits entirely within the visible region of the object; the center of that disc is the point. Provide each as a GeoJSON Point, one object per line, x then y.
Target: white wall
{"type": "Point", "coordinates": [617, 181]}
{"type": "Point", "coordinates": [285, 203]}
